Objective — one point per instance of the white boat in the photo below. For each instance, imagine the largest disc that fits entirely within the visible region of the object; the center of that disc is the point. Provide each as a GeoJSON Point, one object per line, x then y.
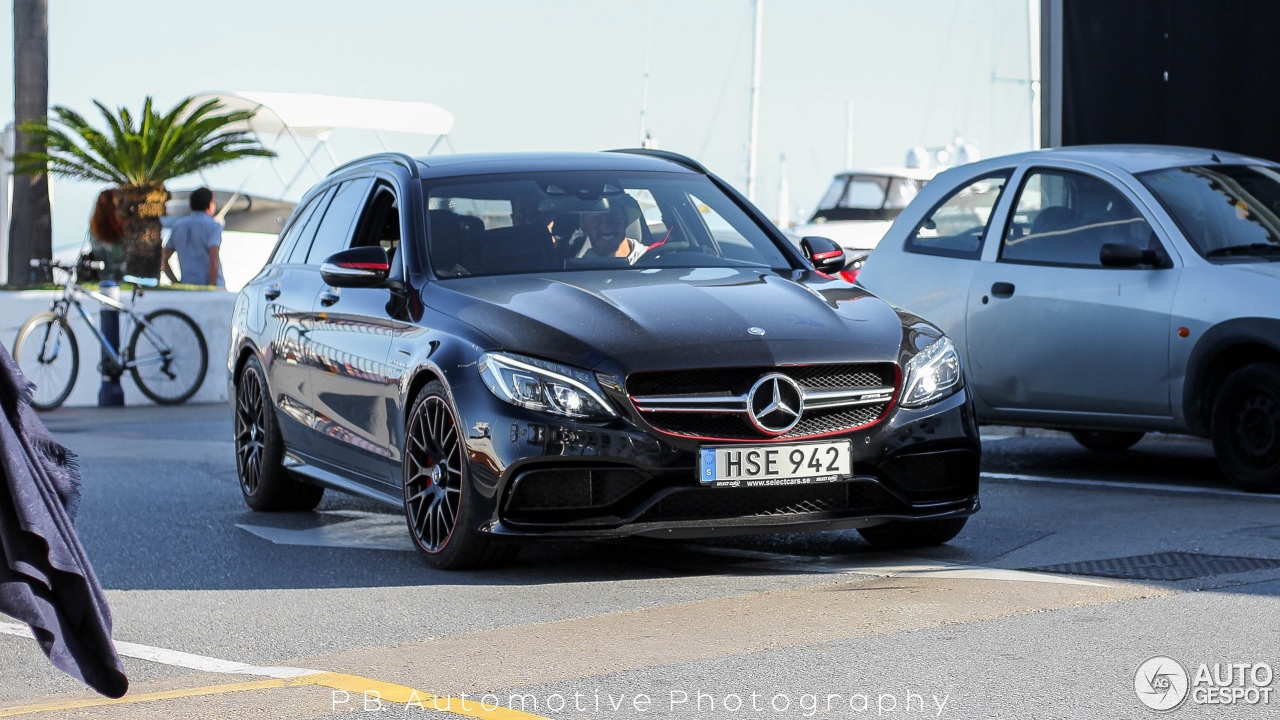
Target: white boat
{"type": "Point", "coordinates": [860, 205]}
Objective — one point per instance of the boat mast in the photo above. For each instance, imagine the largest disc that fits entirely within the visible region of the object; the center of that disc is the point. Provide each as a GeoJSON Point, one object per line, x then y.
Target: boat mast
{"type": "Point", "coordinates": [1033, 57]}
{"type": "Point", "coordinates": [645, 140]}
{"type": "Point", "coordinates": [752, 132]}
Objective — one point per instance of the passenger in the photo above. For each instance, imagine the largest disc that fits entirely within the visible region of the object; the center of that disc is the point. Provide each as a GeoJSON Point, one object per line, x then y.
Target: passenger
{"type": "Point", "coordinates": [606, 234]}
{"type": "Point", "coordinates": [524, 211]}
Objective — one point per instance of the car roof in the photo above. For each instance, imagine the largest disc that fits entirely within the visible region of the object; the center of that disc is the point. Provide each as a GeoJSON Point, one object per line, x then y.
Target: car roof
{"type": "Point", "coordinates": [1129, 158]}
{"type": "Point", "coordinates": [460, 164]}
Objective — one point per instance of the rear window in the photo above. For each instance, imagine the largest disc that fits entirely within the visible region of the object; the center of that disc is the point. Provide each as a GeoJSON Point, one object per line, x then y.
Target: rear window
{"type": "Point", "coordinates": [955, 227]}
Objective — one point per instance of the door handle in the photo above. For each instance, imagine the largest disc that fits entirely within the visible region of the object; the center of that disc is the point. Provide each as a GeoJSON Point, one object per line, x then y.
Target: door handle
{"type": "Point", "coordinates": [1002, 289]}
{"type": "Point", "coordinates": [271, 293]}
{"type": "Point", "coordinates": [328, 298]}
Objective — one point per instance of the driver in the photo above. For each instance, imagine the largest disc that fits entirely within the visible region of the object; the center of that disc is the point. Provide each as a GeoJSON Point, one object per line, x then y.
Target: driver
{"type": "Point", "coordinates": [606, 233]}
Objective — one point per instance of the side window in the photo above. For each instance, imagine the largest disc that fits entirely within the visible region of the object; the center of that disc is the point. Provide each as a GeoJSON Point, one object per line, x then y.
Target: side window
{"type": "Point", "coordinates": [956, 226]}
{"type": "Point", "coordinates": [335, 229]}
{"type": "Point", "coordinates": [307, 231]}
{"type": "Point", "coordinates": [289, 238]}
{"type": "Point", "coordinates": [380, 221]}
{"type": "Point", "coordinates": [1064, 218]}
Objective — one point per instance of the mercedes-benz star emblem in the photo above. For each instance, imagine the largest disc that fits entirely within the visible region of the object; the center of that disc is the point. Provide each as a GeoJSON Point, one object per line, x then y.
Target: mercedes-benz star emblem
{"type": "Point", "coordinates": [775, 404]}
{"type": "Point", "coordinates": [755, 330]}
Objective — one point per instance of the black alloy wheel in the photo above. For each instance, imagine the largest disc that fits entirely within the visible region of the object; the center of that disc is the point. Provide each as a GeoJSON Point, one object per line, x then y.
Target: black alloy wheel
{"type": "Point", "coordinates": [1246, 427]}
{"type": "Point", "coordinates": [264, 482]}
{"type": "Point", "coordinates": [438, 499]}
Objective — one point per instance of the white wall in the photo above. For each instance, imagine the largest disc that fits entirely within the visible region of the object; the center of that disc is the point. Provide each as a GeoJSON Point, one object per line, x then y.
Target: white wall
{"type": "Point", "coordinates": [210, 309]}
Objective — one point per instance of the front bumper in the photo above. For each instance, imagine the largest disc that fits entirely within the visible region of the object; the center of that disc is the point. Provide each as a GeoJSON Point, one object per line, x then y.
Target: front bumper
{"type": "Point", "coordinates": [540, 479]}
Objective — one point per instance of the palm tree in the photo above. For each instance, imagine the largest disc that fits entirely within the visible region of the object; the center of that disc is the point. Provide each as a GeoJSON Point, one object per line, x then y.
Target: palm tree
{"type": "Point", "coordinates": [139, 158]}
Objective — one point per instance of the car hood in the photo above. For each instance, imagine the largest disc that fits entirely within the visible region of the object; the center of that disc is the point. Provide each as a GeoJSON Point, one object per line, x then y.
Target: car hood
{"type": "Point", "coordinates": [1266, 269]}
{"type": "Point", "coordinates": [675, 318]}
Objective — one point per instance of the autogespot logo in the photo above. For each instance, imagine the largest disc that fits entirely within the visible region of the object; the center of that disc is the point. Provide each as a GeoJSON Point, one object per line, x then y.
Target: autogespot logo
{"type": "Point", "coordinates": [1161, 683]}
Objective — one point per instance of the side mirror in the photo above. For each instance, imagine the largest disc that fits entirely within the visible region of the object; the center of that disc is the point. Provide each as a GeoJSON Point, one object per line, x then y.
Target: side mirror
{"type": "Point", "coordinates": [1126, 255]}
{"type": "Point", "coordinates": [356, 267]}
{"type": "Point", "coordinates": [824, 254]}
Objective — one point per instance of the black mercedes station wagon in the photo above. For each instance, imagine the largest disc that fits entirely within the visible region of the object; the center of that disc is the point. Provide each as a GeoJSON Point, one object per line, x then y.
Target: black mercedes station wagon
{"type": "Point", "coordinates": [538, 346]}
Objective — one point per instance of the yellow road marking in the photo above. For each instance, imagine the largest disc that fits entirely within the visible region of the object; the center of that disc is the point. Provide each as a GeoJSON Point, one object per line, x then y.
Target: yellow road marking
{"type": "Point", "coordinates": [386, 692]}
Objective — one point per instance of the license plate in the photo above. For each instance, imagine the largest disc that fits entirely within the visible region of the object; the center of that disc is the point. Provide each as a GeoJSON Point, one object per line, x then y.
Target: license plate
{"type": "Point", "coordinates": [768, 465]}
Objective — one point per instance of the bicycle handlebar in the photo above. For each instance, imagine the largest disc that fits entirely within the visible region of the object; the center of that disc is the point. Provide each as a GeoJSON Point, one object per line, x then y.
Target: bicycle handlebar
{"type": "Point", "coordinates": [58, 264]}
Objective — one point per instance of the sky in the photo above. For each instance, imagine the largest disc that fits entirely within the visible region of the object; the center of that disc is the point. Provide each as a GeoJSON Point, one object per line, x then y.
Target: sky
{"type": "Point", "coordinates": [571, 75]}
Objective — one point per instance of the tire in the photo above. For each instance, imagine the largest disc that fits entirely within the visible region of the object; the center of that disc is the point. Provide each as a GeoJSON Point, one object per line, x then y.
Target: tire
{"type": "Point", "coordinates": [1246, 427]}
{"type": "Point", "coordinates": [1106, 441]}
{"type": "Point", "coordinates": [48, 355]}
{"type": "Point", "coordinates": [439, 500]}
{"type": "Point", "coordinates": [172, 357]}
{"type": "Point", "coordinates": [906, 534]}
{"type": "Point", "coordinates": [264, 483]}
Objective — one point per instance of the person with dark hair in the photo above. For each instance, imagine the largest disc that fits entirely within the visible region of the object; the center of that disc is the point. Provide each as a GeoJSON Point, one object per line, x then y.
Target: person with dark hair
{"type": "Point", "coordinates": [196, 238]}
{"type": "Point", "coordinates": [106, 236]}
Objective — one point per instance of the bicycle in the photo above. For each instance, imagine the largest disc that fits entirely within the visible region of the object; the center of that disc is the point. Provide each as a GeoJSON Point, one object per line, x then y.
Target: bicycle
{"type": "Point", "coordinates": [166, 354]}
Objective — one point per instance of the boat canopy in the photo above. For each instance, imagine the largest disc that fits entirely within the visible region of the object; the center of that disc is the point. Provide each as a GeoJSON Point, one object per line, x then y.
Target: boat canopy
{"type": "Point", "coordinates": [314, 115]}
{"type": "Point", "coordinates": [306, 120]}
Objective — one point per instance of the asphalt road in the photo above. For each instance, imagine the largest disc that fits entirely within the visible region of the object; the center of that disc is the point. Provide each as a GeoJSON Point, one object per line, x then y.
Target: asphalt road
{"type": "Point", "coordinates": [331, 613]}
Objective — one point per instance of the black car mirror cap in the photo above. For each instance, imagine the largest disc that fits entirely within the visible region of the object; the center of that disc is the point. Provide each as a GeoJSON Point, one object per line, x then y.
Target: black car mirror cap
{"type": "Point", "coordinates": [823, 253]}
{"type": "Point", "coordinates": [1126, 255]}
{"type": "Point", "coordinates": [357, 267]}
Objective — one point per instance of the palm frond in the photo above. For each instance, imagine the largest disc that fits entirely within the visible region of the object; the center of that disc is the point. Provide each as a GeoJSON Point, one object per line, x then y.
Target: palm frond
{"type": "Point", "coordinates": [143, 150]}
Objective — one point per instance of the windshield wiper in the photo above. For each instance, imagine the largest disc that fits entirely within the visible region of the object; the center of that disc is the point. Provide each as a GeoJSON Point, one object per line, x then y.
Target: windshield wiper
{"type": "Point", "coordinates": [1250, 249]}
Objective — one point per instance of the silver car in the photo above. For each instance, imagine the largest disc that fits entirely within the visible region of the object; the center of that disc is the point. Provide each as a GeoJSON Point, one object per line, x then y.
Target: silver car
{"type": "Point", "coordinates": [1110, 291]}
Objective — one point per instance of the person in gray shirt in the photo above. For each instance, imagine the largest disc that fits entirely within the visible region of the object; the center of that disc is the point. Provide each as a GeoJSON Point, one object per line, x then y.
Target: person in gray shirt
{"type": "Point", "coordinates": [196, 238]}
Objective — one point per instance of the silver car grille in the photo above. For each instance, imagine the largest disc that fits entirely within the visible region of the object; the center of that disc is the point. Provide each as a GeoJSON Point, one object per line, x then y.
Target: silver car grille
{"type": "Point", "coordinates": [712, 404]}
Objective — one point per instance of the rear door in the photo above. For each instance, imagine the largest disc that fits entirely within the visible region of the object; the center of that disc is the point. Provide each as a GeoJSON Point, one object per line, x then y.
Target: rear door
{"type": "Point", "coordinates": [287, 294]}
{"type": "Point", "coordinates": [331, 229]}
{"type": "Point", "coordinates": [355, 388]}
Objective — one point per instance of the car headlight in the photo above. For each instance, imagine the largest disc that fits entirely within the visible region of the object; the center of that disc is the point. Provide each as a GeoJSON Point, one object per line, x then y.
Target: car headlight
{"type": "Point", "coordinates": [544, 386]}
{"type": "Point", "coordinates": [932, 374]}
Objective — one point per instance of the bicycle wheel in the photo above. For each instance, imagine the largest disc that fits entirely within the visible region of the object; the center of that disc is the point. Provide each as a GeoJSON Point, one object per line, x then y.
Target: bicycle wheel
{"type": "Point", "coordinates": [168, 356]}
{"type": "Point", "coordinates": [47, 353]}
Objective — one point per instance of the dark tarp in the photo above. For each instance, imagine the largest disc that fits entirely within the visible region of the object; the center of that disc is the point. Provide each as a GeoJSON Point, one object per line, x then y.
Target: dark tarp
{"type": "Point", "coordinates": [1174, 72]}
{"type": "Point", "coordinates": [45, 577]}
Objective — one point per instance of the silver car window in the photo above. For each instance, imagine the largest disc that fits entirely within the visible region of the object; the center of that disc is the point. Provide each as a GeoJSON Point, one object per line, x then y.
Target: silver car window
{"type": "Point", "coordinates": [1064, 218]}
{"type": "Point", "coordinates": [955, 227]}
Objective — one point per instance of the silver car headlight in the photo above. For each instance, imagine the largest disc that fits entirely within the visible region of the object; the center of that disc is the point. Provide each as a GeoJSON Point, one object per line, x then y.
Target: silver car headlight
{"type": "Point", "coordinates": [934, 373]}
{"type": "Point", "coordinates": [544, 386]}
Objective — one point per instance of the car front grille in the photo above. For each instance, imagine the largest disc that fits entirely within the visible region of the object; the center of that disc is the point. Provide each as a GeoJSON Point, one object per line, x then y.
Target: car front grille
{"type": "Point", "coordinates": [710, 404]}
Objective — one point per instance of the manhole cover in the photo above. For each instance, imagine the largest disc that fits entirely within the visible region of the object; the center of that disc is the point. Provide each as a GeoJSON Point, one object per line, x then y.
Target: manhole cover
{"type": "Point", "coordinates": [1163, 566]}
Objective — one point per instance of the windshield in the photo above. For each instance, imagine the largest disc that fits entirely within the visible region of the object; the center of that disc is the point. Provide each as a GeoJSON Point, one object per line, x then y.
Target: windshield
{"type": "Point", "coordinates": [1227, 212]}
{"type": "Point", "coordinates": [866, 197]}
{"type": "Point", "coordinates": [578, 220]}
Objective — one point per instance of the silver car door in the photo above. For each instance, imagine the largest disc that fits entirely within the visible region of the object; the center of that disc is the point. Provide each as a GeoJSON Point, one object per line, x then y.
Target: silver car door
{"type": "Point", "coordinates": [1053, 331]}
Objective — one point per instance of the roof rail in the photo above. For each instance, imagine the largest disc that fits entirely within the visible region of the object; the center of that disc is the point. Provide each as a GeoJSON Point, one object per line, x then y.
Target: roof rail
{"type": "Point", "coordinates": [399, 158]}
{"type": "Point", "coordinates": [676, 158]}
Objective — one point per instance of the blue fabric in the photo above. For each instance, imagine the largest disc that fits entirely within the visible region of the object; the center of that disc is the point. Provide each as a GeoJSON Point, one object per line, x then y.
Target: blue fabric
{"type": "Point", "coordinates": [45, 577]}
{"type": "Point", "coordinates": [191, 237]}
